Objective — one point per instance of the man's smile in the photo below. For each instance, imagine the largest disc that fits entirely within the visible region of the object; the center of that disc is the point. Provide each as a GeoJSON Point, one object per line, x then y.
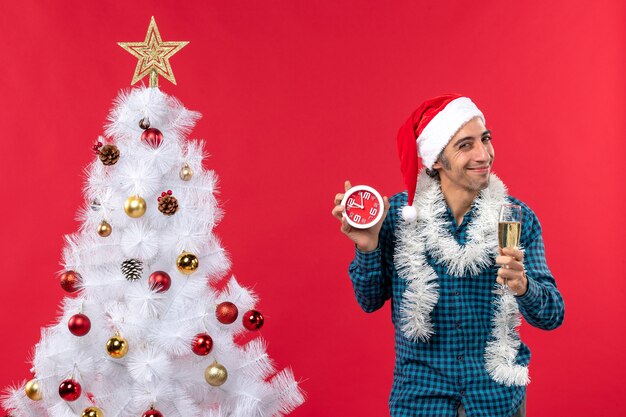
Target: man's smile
{"type": "Point", "coordinates": [480, 170]}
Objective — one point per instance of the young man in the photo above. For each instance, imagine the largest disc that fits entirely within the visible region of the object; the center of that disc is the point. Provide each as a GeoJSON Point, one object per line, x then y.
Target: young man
{"type": "Point", "coordinates": [435, 255]}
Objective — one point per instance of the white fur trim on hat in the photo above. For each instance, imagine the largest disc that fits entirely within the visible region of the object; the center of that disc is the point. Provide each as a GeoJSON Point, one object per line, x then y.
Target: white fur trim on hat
{"type": "Point", "coordinates": [436, 135]}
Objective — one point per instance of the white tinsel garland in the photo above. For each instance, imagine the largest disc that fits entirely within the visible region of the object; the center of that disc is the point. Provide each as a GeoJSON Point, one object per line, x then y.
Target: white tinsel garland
{"type": "Point", "coordinates": [430, 234]}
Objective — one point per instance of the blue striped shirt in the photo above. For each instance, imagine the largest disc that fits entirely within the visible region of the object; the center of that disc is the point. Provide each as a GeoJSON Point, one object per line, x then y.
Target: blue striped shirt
{"type": "Point", "coordinates": [433, 378]}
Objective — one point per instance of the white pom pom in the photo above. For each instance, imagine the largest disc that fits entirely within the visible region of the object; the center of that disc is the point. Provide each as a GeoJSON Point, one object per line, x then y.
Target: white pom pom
{"type": "Point", "coordinates": [409, 214]}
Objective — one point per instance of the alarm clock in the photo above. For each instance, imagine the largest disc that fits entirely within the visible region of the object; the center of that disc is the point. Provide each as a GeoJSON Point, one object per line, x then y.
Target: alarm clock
{"type": "Point", "coordinates": [364, 206]}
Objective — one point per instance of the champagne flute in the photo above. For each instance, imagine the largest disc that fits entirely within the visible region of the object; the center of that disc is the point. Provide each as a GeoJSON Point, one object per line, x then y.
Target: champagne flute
{"type": "Point", "coordinates": [509, 233]}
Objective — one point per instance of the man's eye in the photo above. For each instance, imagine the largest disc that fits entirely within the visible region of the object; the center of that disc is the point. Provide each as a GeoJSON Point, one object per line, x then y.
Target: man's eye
{"type": "Point", "coordinates": [464, 146]}
{"type": "Point", "coordinates": [486, 138]}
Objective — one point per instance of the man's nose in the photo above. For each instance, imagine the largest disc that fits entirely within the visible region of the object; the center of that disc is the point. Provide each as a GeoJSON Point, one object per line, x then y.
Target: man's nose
{"type": "Point", "coordinates": [482, 152]}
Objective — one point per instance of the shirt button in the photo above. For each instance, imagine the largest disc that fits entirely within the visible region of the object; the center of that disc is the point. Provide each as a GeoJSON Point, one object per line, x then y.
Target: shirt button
{"type": "Point", "coordinates": [460, 357]}
{"type": "Point", "coordinates": [458, 325]}
{"type": "Point", "coordinates": [456, 292]}
{"type": "Point", "coordinates": [462, 392]}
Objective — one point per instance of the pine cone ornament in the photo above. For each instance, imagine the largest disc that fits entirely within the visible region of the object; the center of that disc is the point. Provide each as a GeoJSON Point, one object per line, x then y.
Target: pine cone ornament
{"type": "Point", "coordinates": [132, 269]}
{"type": "Point", "coordinates": [109, 154]}
{"type": "Point", "coordinates": [168, 203]}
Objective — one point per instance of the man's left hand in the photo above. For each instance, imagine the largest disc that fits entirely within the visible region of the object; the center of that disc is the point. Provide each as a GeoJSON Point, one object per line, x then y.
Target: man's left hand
{"type": "Point", "coordinates": [511, 261]}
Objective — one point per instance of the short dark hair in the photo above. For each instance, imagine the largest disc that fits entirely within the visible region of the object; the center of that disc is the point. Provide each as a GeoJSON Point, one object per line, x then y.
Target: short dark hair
{"type": "Point", "coordinates": [433, 173]}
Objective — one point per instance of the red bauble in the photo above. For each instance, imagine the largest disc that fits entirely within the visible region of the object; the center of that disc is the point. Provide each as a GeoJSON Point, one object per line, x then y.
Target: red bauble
{"type": "Point", "coordinates": [70, 390]}
{"type": "Point", "coordinates": [226, 312]}
{"type": "Point", "coordinates": [153, 136]}
{"type": "Point", "coordinates": [202, 344]}
{"type": "Point", "coordinates": [159, 281]}
{"type": "Point", "coordinates": [70, 281]}
{"type": "Point", "coordinates": [152, 413]}
{"type": "Point", "coordinates": [79, 324]}
{"type": "Point", "coordinates": [252, 320]}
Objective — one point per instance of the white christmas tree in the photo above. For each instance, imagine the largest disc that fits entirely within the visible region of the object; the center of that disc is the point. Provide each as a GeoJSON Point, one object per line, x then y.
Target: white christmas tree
{"type": "Point", "coordinates": [144, 332]}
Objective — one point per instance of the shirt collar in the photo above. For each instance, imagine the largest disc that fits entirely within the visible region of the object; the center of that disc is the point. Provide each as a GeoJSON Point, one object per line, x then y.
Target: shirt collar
{"type": "Point", "coordinates": [466, 219]}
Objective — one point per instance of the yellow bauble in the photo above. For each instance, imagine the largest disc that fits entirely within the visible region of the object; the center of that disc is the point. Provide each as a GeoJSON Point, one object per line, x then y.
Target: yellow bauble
{"type": "Point", "coordinates": [33, 390]}
{"type": "Point", "coordinates": [135, 206]}
{"type": "Point", "coordinates": [92, 412]}
{"type": "Point", "coordinates": [186, 173]}
{"type": "Point", "coordinates": [215, 374]}
{"type": "Point", "coordinates": [117, 347]}
{"type": "Point", "coordinates": [104, 228]}
{"type": "Point", "coordinates": [187, 263]}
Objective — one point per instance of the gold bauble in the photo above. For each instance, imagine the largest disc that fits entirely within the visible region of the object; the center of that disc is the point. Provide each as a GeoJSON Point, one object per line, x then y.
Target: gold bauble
{"type": "Point", "coordinates": [186, 172]}
{"type": "Point", "coordinates": [33, 390]}
{"type": "Point", "coordinates": [117, 347]}
{"type": "Point", "coordinates": [215, 374]}
{"type": "Point", "coordinates": [187, 263]}
{"type": "Point", "coordinates": [92, 412]}
{"type": "Point", "coordinates": [104, 228]}
{"type": "Point", "coordinates": [135, 206]}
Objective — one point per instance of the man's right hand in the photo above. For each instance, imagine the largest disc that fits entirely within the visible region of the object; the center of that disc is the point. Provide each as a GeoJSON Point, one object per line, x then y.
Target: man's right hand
{"type": "Point", "coordinates": [366, 240]}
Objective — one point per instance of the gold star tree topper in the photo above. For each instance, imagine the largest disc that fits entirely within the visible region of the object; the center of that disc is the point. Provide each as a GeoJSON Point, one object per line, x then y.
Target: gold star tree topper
{"type": "Point", "coordinates": [153, 55]}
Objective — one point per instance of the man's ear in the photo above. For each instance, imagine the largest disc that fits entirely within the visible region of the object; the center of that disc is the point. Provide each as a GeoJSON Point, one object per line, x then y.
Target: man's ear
{"type": "Point", "coordinates": [437, 165]}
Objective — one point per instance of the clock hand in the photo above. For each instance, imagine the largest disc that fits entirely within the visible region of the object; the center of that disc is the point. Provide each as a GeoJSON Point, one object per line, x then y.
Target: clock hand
{"type": "Point", "coordinates": [357, 206]}
{"type": "Point", "coordinates": [361, 206]}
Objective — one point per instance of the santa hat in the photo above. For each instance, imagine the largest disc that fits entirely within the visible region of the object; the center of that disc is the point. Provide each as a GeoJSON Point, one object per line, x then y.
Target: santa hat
{"type": "Point", "coordinates": [427, 131]}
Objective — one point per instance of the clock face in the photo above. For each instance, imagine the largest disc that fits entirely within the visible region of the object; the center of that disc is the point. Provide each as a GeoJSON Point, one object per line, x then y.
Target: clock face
{"type": "Point", "coordinates": [363, 206]}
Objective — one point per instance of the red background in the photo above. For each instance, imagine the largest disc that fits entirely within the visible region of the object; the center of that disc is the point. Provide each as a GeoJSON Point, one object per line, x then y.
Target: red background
{"type": "Point", "coordinates": [298, 96]}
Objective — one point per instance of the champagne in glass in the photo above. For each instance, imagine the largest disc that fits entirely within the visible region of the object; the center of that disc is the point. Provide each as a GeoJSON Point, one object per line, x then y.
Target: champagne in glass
{"type": "Point", "coordinates": [509, 232]}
